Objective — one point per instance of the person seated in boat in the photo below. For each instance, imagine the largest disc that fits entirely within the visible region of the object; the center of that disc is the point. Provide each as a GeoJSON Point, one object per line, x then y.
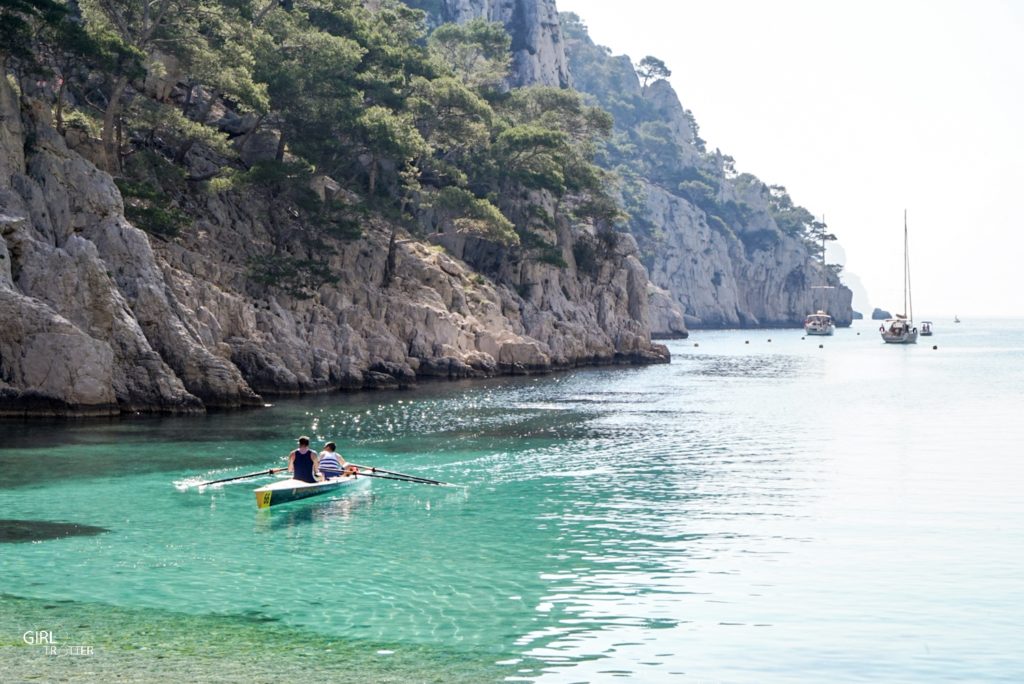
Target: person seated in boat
{"type": "Point", "coordinates": [331, 463]}
{"type": "Point", "coordinates": [303, 462]}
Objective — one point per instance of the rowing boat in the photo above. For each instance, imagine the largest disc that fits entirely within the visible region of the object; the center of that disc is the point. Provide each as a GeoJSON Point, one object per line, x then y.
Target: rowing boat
{"type": "Point", "coordinates": [293, 490]}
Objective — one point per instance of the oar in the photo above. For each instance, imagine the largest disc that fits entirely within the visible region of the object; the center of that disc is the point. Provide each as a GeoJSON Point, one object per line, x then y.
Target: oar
{"type": "Point", "coordinates": [412, 478]}
{"type": "Point", "coordinates": [241, 477]}
{"type": "Point", "coordinates": [362, 473]}
{"type": "Point", "coordinates": [404, 476]}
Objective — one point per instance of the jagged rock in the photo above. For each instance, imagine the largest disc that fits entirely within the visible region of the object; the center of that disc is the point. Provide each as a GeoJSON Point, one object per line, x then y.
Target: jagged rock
{"type": "Point", "coordinates": [446, 367]}
{"type": "Point", "coordinates": [538, 56]}
{"type": "Point", "coordinates": [325, 187]}
{"type": "Point", "coordinates": [162, 75]}
{"type": "Point", "coordinates": [669, 110]}
{"type": "Point", "coordinates": [880, 314]}
{"type": "Point", "coordinates": [401, 373]}
{"type": "Point", "coordinates": [235, 124]}
{"type": "Point", "coordinates": [64, 313]}
{"type": "Point", "coordinates": [667, 319]}
{"type": "Point", "coordinates": [741, 271]}
{"type": "Point", "coordinates": [521, 357]}
{"type": "Point", "coordinates": [256, 146]}
{"type": "Point", "coordinates": [96, 316]}
{"type": "Point", "coordinates": [375, 380]}
{"type": "Point", "coordinates": [49, 366]}
{"type": "Point", "coordinates": [12, 136]}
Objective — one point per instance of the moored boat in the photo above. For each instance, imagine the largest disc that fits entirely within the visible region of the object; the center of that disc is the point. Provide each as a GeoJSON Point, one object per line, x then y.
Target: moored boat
{"type": "Point", "coordinates": [901, 330]}
{"type": "Point", "coordinates": [926, 328]}
{"type": "Point", "coordinates": [819, 323]}
{"type": "Point", "coordinates": [288, 490]}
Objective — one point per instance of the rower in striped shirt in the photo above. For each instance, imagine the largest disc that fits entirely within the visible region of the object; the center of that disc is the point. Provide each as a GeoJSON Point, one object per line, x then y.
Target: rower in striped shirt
{"type": "Point", "coordinates": [332, 464]}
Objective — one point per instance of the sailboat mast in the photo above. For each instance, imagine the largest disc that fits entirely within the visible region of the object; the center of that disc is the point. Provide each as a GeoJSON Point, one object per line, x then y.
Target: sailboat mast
{"type": "Point", "coordinates": [908, 300]}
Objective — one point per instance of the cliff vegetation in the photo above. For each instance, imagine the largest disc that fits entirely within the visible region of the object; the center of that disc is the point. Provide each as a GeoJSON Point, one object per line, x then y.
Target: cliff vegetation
{"type": "Point", "coordinates": [731, 249]}
{"type": "Point", "coordinates": [244, 197]}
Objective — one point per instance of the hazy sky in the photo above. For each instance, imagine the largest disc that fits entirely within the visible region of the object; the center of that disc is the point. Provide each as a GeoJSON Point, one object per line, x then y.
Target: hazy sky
{"type": "Point", "coordinates": [863, 109]}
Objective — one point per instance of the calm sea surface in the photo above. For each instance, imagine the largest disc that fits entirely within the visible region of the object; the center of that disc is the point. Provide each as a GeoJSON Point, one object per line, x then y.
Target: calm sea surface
{"type": "Point", "coordinates": [761, 510]}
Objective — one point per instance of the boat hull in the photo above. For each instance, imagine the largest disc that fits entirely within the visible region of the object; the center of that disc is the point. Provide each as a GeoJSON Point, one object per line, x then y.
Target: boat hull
{"type": "Point", "coordinates": [290, 490]}
{"type": "Point", "coordinates": [819, 324]}
{"type": "Point", "coordinates": [905, 338]}
{"type": "Point", "coordinates": [899, 330]}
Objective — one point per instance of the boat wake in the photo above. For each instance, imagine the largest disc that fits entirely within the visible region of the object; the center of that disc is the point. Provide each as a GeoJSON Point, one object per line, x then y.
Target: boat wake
{"type": "Point", "coordinates": [202, 483]}
{"type": "Point", "coordinates": [187, 483]}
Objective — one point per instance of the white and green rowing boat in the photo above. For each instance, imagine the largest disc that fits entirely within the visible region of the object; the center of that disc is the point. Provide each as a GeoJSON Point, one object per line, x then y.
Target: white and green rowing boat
{"type": "Point", "coordinates": [293, 490]}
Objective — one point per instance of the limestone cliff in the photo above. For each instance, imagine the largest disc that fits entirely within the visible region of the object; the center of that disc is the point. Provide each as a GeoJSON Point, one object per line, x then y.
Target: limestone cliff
{"type": "Point", "coordinates": [720, 280]}
{"type": "Point", "coordinates": [708, 235]}
{"type": "Point", "coordinates": [538, 57]}
{"type": "Point", "coordinates": [99, 317]}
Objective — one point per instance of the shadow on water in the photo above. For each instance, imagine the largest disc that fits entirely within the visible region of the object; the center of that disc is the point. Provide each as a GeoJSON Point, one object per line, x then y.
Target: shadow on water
{"type": "Point", "coordinates": [18, 531]}
{"type": "Point", "coordinates": [31, 453]}
{"type": "Point", "coordinates": [132, 430]}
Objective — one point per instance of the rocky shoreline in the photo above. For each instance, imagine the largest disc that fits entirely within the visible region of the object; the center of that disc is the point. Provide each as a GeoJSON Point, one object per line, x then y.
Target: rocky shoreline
{"type": "Point", "coordinates": [100, 318]}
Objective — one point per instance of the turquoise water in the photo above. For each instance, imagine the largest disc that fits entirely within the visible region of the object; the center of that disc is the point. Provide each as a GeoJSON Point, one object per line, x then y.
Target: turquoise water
{"type": "Point", "coordinates": [757, 511]}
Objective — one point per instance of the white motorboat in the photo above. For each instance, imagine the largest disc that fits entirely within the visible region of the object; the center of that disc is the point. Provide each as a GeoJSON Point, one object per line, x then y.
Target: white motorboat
{"type": "Point", "coordinates": [819, 323]}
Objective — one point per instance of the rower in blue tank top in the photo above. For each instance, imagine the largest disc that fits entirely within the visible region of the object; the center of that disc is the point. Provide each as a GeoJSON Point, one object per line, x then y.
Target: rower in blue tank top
{"type": "Point", "coordinates": [303, 462]}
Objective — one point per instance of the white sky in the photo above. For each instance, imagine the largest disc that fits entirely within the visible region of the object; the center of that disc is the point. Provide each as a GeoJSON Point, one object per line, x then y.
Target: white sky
{"type": "Point", "coordinates": [862, 108]}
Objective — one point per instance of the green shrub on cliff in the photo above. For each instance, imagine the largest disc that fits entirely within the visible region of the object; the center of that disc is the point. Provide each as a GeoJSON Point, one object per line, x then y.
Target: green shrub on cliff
{"type": "Point", "coordinates": [659, 146]}
{"type": "Point", "coordinates": [416, 124]}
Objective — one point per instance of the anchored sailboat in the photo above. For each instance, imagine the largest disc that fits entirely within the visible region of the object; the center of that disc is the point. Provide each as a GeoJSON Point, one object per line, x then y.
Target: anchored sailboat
{"type": "Point", "coordinates": [901, 330]}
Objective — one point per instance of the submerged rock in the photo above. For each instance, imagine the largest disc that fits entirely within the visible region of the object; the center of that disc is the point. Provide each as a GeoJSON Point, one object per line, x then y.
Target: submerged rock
{"type": "Point", "coordinates": [19, 531]}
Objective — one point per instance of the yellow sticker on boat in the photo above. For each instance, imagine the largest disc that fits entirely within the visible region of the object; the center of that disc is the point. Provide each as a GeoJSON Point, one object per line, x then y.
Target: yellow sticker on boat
{"type": "Point", "coordinates": [263, 499]}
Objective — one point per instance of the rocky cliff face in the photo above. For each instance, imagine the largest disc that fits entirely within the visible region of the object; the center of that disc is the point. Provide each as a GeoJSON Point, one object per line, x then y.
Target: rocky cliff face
{"type": "Point", "coordinates": [738, 269]}
{"type": "Point", "coordinates": [100, 318]}
{"type": "Point", "coordinates": [720, 281]}
{"type": "Point", "coordinates": [538, 57]}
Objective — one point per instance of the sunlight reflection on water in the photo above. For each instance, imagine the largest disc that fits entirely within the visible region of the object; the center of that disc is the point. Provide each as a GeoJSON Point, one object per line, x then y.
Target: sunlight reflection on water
{"type": "Point", "coordinates": [751, 512]}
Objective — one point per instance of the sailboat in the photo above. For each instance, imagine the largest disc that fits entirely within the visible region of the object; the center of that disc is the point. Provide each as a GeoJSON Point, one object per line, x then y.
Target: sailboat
{"type": "Point", "coordinates": [956, 319]}
{"type": "Point", "coordinates": [819, 322]}
{"type": "Point", "coordinates": [901, 330]}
